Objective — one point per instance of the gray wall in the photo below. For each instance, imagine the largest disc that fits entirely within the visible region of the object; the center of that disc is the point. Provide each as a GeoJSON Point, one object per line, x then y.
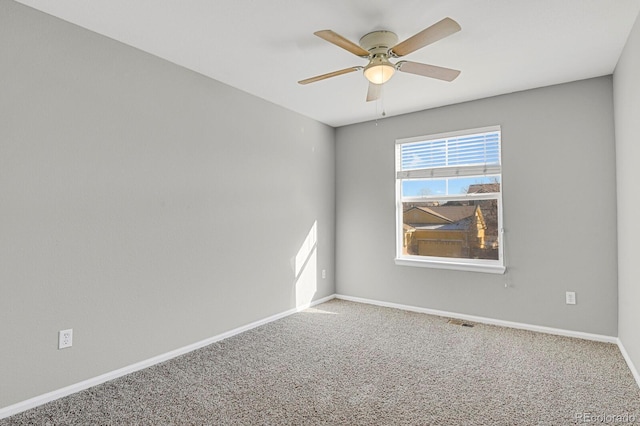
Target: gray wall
{"type": "Point", "coordinates": [143, 205]}
{"type": "Point", "coordinates": [627, 110]}
{"type": "Point", "coordinates": [559, 210]}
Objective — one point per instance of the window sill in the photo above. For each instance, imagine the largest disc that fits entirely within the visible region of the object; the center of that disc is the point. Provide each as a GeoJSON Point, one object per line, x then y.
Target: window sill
{"type": "Point", "coordinates": [457, 266]}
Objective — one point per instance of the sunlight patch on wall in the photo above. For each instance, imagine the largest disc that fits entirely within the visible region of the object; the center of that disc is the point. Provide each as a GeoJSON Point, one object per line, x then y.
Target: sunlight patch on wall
{"type": "Point", "coordinates": [306, 268]}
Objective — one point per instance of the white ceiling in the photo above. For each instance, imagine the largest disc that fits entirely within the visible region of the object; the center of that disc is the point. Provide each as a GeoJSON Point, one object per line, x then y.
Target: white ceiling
{"type": "Point", "coordinates": [265, 47]}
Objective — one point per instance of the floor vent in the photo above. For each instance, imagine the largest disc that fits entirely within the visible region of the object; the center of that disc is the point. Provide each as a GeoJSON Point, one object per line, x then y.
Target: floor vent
{"type": "Point", "coordinates": [459, 322]}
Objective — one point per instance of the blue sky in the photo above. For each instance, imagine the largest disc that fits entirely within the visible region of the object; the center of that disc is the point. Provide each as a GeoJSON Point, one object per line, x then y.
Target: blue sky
{"type": "Point", "coordinates": [450, 186]}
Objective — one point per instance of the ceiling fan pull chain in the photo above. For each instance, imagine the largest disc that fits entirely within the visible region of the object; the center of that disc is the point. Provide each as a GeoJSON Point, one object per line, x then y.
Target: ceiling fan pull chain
{"type": "Point", "coordinates": [384, 113]}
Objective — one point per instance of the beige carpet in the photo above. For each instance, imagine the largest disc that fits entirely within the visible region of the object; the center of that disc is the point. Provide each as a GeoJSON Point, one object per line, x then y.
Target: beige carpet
{"type": "Point", "coordinates": [349, 363]}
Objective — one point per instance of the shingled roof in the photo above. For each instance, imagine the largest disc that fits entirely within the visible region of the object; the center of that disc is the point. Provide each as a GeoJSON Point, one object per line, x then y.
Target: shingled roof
{"type": "Point", "coordinates": [455, 217]}
{"type": "Point", "coordinates": [449, 213]}
{"type": "Point", "coordinates": [483, 188]}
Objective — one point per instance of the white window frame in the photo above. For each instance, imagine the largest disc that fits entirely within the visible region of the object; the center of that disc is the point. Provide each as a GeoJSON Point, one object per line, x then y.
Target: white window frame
{"type": "Point", "coordinates": [461, 264]}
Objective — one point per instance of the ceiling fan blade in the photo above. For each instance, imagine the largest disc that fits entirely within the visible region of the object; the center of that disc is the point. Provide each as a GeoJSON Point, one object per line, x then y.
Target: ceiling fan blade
{"type": "Point", "coordinates": [373, 93]}
{"type": "Point", "coordinates": [329, 75]}
{"type": "Point", "coordinates": [441, 73]}
{"type": "Point", "coordinates": [340, 41]}
{"type": "Point", "coordinates": [436, 32]}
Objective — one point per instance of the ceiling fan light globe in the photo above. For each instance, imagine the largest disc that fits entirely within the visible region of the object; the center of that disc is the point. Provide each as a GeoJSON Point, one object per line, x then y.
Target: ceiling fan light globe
{"type": "Point", "coordinates": [379, 73]}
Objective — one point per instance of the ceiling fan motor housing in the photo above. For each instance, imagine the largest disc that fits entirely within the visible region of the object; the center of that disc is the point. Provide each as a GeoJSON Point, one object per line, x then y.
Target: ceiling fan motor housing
{"type": "Point", "coordinates": [378, 42]}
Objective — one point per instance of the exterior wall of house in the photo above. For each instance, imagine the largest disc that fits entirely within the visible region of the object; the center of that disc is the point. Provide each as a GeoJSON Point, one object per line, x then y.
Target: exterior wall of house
{"type": "Point", "coordinates": [442, 246]}
{"type": "Point", "coordinates": [457, 243]}
{"type": "Point", "coordinates": [433, 242]}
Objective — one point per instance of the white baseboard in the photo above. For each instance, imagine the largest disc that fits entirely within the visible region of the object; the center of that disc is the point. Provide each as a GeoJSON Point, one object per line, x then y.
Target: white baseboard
{"type": "Point", "coordinates": [59, 393]}
{"type": "Point", "coordinates": [85, 384]}
{"type": "Point", "coordinates": [484, 320]}
{"type": "Point", "coordinates": [627, 358]}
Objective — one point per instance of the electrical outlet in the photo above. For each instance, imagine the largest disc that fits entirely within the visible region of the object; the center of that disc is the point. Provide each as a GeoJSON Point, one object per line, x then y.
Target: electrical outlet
{"type": "Point", "coordinates": [571, 298]}
{"type": "Point", "coordinates": [324, 273]}
{"type": "Point", "coordinates": [65, 338]}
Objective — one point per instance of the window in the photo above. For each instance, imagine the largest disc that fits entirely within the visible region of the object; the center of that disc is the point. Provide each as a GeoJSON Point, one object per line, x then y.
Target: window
{"type": "Point", "coordinates": [449, 201]}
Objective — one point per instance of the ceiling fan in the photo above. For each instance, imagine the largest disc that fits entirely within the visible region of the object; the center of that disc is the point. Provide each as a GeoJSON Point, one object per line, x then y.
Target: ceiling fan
{"type": "Point", "coordinates": [379, 46]}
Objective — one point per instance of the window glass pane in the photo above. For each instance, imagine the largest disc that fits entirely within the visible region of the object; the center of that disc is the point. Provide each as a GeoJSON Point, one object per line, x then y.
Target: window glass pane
{"type": "Point", "coordinates": [450, 186]}
{"type": "Point", "coordinates": [483, 148]}
{"type": "Point", "coordinates": [457, 229]}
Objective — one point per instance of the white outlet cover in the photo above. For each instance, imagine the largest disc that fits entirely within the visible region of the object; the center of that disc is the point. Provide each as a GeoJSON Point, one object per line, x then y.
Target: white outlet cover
{"type": "Point", "coordinates": [571, 298]}
{"type": "Point", "coordinates": [65, 338]}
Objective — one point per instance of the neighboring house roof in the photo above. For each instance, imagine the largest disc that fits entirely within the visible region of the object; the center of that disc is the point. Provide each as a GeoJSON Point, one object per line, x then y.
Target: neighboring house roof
{"type": "Point", "coordinates": [448, 213]}
{"type": "Point", "coordinates": [460, 225]}
{"type": "Point", "coordinates": [455, 213]}
{"type": "Point", "coordinates": [455, 217]}
{"type": "Point", "coordinates": [431, 213]}
{"type": "Point", "coordinates": [483, 188]}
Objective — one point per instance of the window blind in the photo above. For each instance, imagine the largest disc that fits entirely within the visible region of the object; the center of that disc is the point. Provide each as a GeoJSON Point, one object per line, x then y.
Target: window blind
{"type": "Point", "coordinates": [478, 149]}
